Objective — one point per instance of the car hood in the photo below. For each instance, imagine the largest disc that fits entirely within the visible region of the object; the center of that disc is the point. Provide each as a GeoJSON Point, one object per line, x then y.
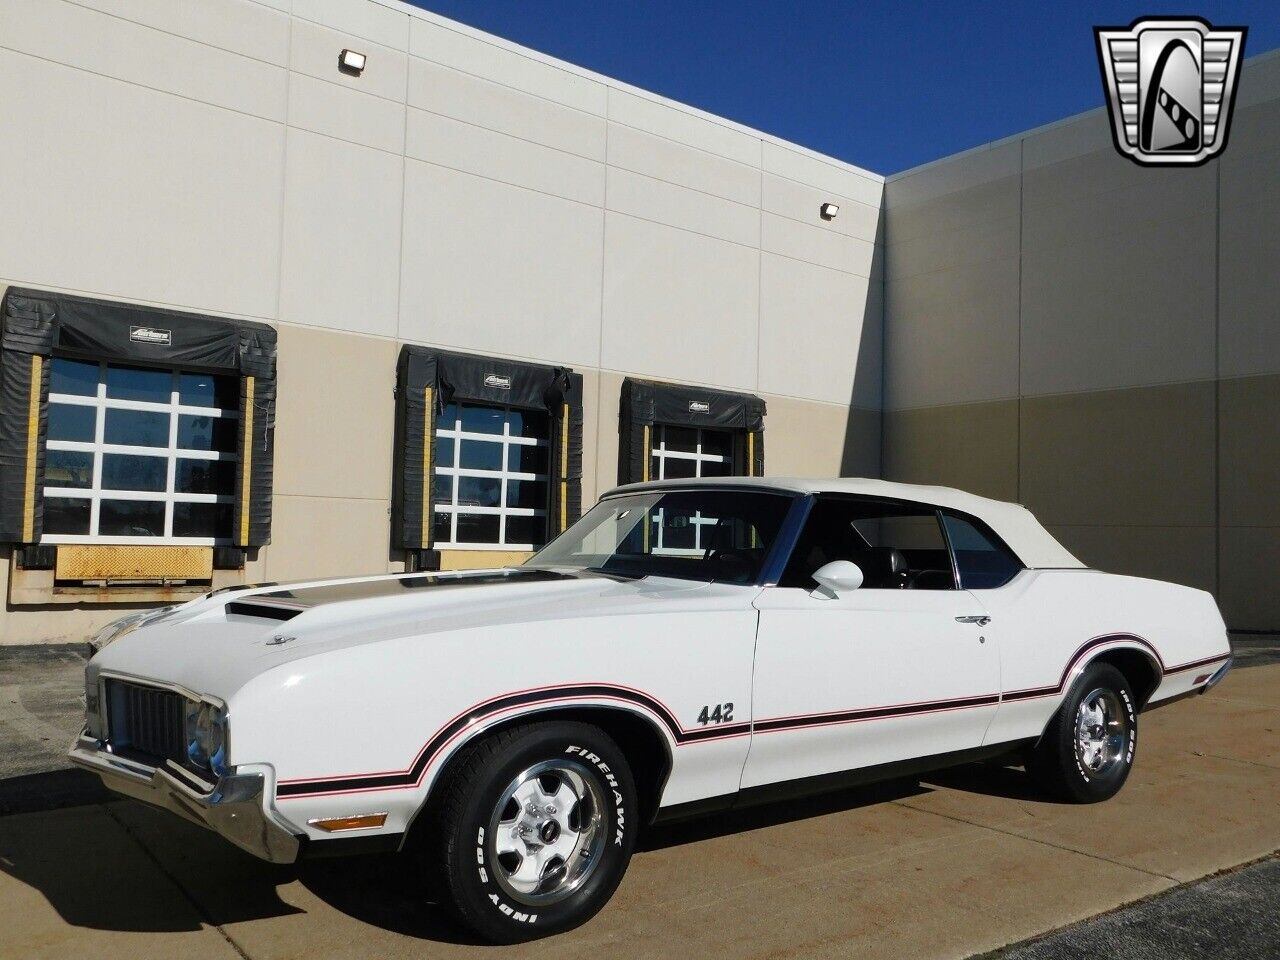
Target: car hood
{"type": "Point", "coordinates": [217, 644]}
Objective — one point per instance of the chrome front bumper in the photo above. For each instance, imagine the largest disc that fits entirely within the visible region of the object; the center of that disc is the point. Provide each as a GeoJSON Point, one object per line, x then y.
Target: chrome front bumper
{"type": "Point", "coordinates": [234, 807]}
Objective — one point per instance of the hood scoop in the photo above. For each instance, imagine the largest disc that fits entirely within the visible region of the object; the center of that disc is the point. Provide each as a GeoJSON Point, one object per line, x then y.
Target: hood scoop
{"type": "Point", "coordinates": [267, 608]}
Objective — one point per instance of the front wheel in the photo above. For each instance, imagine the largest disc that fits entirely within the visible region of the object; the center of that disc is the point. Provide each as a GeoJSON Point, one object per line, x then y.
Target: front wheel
{"type": "Point", "coordinates": [1088, 749]}
{"type": "Point", "coordinates": [536, 827]}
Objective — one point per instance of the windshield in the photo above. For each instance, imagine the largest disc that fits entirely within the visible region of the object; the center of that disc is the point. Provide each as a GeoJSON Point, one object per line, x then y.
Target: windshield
{"type": "Point", "coordinates": [720, 535]}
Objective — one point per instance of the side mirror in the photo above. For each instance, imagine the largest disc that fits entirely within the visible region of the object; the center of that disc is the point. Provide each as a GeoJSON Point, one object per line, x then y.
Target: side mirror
{"type": "Point", "coordinates": [836, 578]}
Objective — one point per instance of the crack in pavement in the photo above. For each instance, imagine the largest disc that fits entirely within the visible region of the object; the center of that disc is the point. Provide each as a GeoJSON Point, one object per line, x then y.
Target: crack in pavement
{"type": "Point", "coordinates": [178, 885]}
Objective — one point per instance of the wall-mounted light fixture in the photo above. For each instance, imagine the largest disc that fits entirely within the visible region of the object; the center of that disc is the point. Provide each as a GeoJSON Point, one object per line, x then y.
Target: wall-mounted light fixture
{"type": "Point", "coordinates": [352, 62]}
{"type": "Point", "coordinates": [828, 211]}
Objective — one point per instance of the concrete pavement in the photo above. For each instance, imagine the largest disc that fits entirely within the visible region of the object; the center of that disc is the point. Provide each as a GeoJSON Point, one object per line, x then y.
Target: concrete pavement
{"type": "Point", "coordinates": [957, 864]}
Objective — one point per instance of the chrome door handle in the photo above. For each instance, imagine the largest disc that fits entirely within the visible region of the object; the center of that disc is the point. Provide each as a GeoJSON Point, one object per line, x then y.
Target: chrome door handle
{"type": "Point", "coordinates": [980, 621]}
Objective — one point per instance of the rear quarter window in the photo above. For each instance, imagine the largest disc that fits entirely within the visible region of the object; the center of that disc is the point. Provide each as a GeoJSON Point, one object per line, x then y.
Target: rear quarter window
{"type": "Point", "coordinates": [982, 560]}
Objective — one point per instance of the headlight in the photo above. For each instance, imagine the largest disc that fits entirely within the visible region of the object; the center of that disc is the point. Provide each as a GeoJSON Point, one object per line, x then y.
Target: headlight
{"type": "Point", "coordinates": [125, 625]}
{"type": "Point", "coordinates": [206, 737]}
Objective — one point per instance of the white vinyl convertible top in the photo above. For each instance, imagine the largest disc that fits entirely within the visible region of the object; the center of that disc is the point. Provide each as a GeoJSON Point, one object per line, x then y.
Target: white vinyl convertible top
{"type": "Point", "coordinates": [1033, 544]}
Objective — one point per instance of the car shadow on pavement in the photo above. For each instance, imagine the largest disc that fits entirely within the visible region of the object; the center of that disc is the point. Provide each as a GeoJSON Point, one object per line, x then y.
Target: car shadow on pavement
{"type": "Point", "coordinates": [127, 867]}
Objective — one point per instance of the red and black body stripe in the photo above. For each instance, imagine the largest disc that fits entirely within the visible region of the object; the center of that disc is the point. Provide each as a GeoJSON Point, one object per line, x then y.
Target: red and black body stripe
{"type": "Point", "coordinates": [561, 694]}
{"type": "Point", "coordinates": [569, 693]}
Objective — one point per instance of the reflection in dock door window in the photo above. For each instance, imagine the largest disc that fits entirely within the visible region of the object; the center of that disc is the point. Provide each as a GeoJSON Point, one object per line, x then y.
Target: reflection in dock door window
{"type": "Point", "coordinates": [491, 476]}
{"type": "Point", "coordinates": [139, 455]}
{"type": "Point", "coordinates": [681, 453]}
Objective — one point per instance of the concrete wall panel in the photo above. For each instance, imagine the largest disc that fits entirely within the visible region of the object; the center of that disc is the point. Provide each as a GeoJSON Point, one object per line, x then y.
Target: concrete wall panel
{"type": "Point", "coordinates": [973, 447]}
{"type": "Point", "coordinates": [679, 305]}
{"type": "Point", "coordinates": [481, 102]}
{"type": "Point", "coordinates": [817, 245]}
{"type": "Point", "coordinates": [372, 21]}
{"type": "Point", "coordinates": [332, 110]}
{"type": "Point", "coordinates": [809, 304]}
{"type": "Point", "coordinates": [681, 164]}
{"type": "Point", "coordinates": [352, 539]}
{"type": "Point", "coordinates": [461, 146]}
{"type": "Point", "coordinates": [1140, 457]}
{"type": "Point", "coordinates": [1250, 559]}
{"type": "Point", "coordinates": [663, 202]}
{"type": "Point", "coordinates": [1178, 554]}
{"type": "Point", "coordinates": [185, 210]}
{"type": "Point", "coordinates": [492, 268]}
{"type": "Point", "coordinates": [1118, 311]}
{"type": "Point", "coordinates": [77, 36]}
{"type": "Point", "coordinates": [341, 261]}
{"type": "Point", "coordinates": [470, 52]}
{"type": "Point", "coordinates": [683, 126]}
{"type": "Point", "coordinates": [823, 174]}
{"type": "Point", "coordinates": [800, 202]}
{"type": "Point", "coordinates": [314, 50]}
{"type": "Point", "coordinates": [334, 410]}
{"type": "Point", "coordinates": [238, 26]}
{"type": "Point", "coordinates": [1249, 452]}
{"type": "Point", "coordinates": [952, 335]}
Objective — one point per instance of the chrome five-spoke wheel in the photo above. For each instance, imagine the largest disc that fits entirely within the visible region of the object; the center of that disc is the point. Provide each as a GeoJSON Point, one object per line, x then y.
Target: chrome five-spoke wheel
{"type": "Point", "coordinates": [1101, 731]}
{"type": "Point", "coordinates": [547, 832]}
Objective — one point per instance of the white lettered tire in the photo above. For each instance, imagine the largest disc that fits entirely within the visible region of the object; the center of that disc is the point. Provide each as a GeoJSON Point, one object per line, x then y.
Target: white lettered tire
{"type": "Point", "coordinates": [535, 826]}
{"type": "Point", "coordinates": [1088, 749]}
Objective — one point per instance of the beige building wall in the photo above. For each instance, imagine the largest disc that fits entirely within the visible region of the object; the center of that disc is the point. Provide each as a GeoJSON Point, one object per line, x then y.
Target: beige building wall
{"type": "Point", "coordinates": [1100, 341]}
{"type": "Point", "coordinates": [207, 155]}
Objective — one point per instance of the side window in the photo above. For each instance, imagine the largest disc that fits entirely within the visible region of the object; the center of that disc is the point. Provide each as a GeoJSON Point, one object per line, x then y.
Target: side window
{"type": "Point", "coordinates": [897, 546]}
{"type": "Point", "coordinates": [981, 559]}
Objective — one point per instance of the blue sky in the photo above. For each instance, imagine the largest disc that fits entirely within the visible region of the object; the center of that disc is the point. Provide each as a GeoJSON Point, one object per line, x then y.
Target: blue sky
{"type": "Point", "coordinates": [883, 85]}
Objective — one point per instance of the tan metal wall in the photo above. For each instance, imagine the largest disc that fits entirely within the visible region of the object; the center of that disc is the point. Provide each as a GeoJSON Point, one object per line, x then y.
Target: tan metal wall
{"type": "Point", "coordinates": [1100, 341]}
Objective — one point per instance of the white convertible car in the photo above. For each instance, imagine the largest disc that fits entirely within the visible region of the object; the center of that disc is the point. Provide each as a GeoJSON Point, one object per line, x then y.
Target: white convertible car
{"type": "Point", "coordinates": [685, 647]}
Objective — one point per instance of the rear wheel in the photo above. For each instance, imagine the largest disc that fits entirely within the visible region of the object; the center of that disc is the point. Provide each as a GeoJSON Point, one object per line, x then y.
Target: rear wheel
{"type": "Point", "coordinates": [536, 826]}
{"type": "Point", "coordinates": [1088, 749]}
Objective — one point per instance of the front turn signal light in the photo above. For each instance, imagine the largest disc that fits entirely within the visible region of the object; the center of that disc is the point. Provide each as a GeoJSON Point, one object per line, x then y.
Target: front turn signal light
{"type": "Point", "coordinates": [364, 821]}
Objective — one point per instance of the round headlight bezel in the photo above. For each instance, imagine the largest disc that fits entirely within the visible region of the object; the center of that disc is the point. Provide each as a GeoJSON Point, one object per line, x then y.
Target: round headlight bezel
{"type": "Point", "coordinates": [205, 732]}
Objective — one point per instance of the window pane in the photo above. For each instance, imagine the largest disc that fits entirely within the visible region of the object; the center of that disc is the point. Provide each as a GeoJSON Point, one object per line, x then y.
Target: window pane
{"type": "Point", "coordinates": [531, 530]}
{"type": "Point", "coordinates": [74, 376]}
{"type": "Point", "coordinates": [66, 515]}
{"type": "Point", "coordinates": [717, 468]}
{"type": "Point", "coordinates": [440, 530]}
{"type": "Point", "coordinates": [526, 493]}
{"type": "Point", "coordinates": [480, 455]}
{"type": "Point", "coordinates": [716, 443]}
{"type": "Point", "coordinates": [677, 468]}
{"type": "Point", "coordinates": [129, 472]}
{"type": "Point", "coordinates": [444, 451]}
{"type": "Point", "coordinates": [71, 423]}
{"type": "Point", "coordinates": [684, 439]}
{"type": "Point", "coordinates": [131, 518]}
{"type": "Point", "coordinates": [201, 519]}
{"type": "Point", "coordinates": [526, 459]}
{"type": "Point", "coordinates": [982, 562]}
{"type": "Point", "coordinates": [209, 390]}
{"type": "Point", "coordinates": [674, 529]}
{"type": "Point", "coordinates": [448, 419]}
{"type": "Point", "coordinates": [477, 528]}
{"type": "Point", "coordinates": [442, 491]}
{"type": "Point", "coordinates": [204, 476]}
{"type": "Point", "coordinates": [482, 419]}
{"type": "Point", "coordinates": [139, 383]}
{"type": "Point", "coordinates": [527, 423]}
{"type": "Point", "coordinates": [137, 428]}
{"type": "Point", "coordinates": [479, 491]}
{"type": "Point", "coordinates": [68, 468]}
{"type": "Point", "coordinates": [207, 433]}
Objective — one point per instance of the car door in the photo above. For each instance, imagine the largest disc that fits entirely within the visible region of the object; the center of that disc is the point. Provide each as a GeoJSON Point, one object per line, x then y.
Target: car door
{"type": "Point", "coordinates": [899, 668]}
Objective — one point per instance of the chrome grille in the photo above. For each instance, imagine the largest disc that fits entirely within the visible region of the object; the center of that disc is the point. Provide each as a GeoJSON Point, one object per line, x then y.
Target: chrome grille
{"type": "Point", "coordinates": [146, 720]}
